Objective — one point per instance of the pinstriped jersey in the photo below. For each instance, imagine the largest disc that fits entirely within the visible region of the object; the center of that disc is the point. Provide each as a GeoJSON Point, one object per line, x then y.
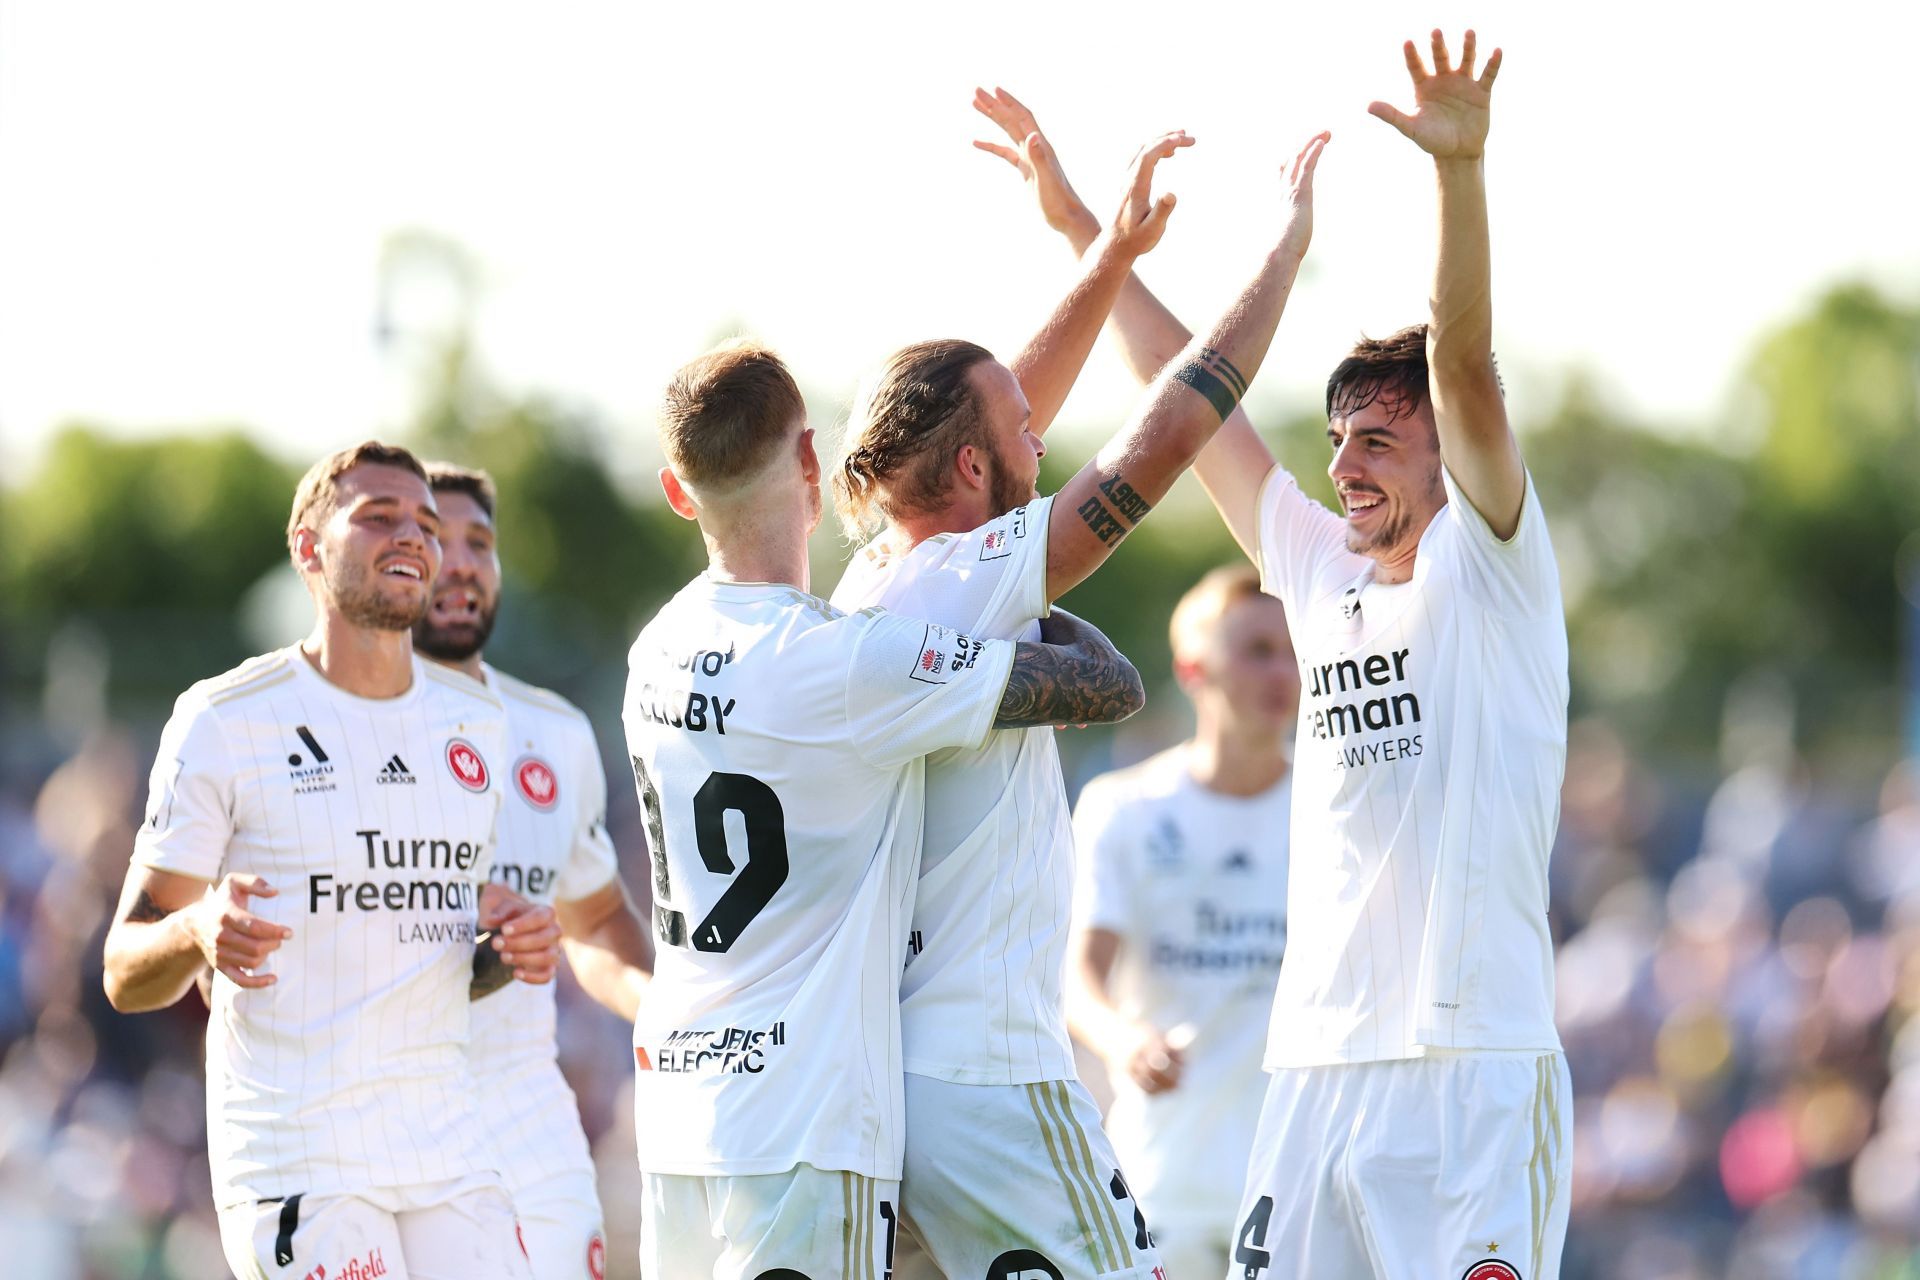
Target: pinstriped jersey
{"type": "Point", "coordinates": [1427, 768]}
{"type": "Point", "coordinates": [374, 821]}
{"type": "Point", "coordinates": [981, 1002]}
{"type": "Point", "coordinates": [778, 745]}
{"type": "Point", "coordinates": [553, 847]}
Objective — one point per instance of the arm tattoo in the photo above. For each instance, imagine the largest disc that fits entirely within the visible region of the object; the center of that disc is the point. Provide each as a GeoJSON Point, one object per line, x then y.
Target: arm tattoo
{"type": "Point", "coordinates": [1105, 524]}
{"type": "Point", "coordinates": [490, 970]}
{"type": "Point", "coordinates": [145, 910]}
{"type": "Point", "coordinates": [1081, 683]}
{"type": "Point", "coordinates": [1213, 376]}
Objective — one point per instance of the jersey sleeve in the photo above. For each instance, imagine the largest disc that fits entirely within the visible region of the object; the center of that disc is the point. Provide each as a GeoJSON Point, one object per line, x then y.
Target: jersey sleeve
{"type": "Point", "coordinates": [1297, 536]}
{"type": "Point", "coordinates": [189, 817]}
{"type": "Point", "coordinates": [1517, 576]}
{"type": "Point", "coordinates": [916, 687]}
{"type": "Point", "coordinates": [1103, 893]}
{"type": "Point", "coordinates": [591, 861]}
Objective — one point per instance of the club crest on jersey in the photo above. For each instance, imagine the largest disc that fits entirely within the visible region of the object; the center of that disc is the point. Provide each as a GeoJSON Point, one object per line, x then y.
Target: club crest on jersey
{"type": "Point", "coordinates": [466, 765]}
{"type": "Point", "coordinates": [597, 1257]}
{"type": "Point", "coordinates": [534, 779]}
{"type": "Point", "coordinates": [1491, 1269]}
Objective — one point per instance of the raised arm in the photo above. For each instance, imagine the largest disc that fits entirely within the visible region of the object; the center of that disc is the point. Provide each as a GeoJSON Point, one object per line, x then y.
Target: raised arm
{"type": "Point", "coordinates": [1231, 467]}
{"type": "Point", "coordinates": [1182, 410]}
{"type": "Point", "coordinates": [169, 927]}
{"type": "Point", "coordinates": [1052, 359]}
{"type": "Point", "coordinates": [1074, 675]}
{"type": "Point", "coordinates": [1449, 122]}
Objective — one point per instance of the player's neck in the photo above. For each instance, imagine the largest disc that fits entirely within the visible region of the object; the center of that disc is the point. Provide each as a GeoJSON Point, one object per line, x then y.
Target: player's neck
{"type": "Point", "coordinates": [366, 662]}
{"type": "Point", "coordinates": [752, 542]}
{"type": "Point", "coordinates": [1236, 764]}
{"type": "Point", "coordinates": [909, 531]}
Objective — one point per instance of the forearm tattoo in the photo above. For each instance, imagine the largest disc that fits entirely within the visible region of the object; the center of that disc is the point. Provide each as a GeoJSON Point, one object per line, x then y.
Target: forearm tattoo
{"type": "Point", "coordinates": [490, 969]}
{"type": "Point", "coordinates": [144, 910]}
{"type": "Point", "coordinates": [1084, 683]}
{"type": "Point", "coordinates": [1213, 376]}
{"type": "Point", "coordinates": [1104, 520]}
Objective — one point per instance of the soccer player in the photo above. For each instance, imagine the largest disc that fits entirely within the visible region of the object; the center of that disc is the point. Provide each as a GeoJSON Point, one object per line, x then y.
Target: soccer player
{"type": "Point", "coordinates": [319, 830]}
{"type": "Point", "coordinates": [777, 743]}
{"type": "Point", "coordinates": [554, 849]}
{"type": "Point", "coordinates": [1418, 1112]}
{"type": "Point", "coordinates": [1180, 920]}
{"type": "Point", "coordinates": [1007, 1171]}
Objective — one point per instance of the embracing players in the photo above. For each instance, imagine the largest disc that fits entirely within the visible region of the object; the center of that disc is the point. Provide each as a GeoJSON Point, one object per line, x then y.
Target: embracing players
{"type": "Point", "coordinates": [1417, 1118]}
{"type": "Point", "coordinates": [554, 849]}
{"type": "Point", "coordinates": [777, 743]}
{"type": "Point", "coordinates": [1007, 1170]}
{"type": "Point", "coordinates": [319, 830]}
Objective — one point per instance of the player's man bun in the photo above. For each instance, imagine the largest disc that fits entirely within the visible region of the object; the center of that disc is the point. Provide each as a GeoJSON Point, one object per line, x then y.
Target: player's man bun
{"type": "Point", "coordinates": [906, 424]}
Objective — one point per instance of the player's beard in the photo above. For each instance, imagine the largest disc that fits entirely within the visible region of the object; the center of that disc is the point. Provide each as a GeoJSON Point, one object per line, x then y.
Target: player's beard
{"type": "Point", "coordinates": [455, 641]}
{"type": "Point", "coordinates": [356, 594]}
{"type": "Point", "coordinates": [1006, 489]}
{"type": "Point", "coordinates": [1396, 527]}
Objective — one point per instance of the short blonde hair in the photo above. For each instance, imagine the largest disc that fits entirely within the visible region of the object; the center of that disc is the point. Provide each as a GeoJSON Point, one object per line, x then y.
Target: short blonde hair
{"type": "Point", "coordinates": [726, 413]}
{"type": "Point", "coordinates": [1205, 603]}
{"type": "Point", "coordinates": [318, 494]}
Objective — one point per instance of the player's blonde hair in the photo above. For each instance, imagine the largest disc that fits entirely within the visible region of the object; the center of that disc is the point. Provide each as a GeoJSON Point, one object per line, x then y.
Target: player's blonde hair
{"type": "Point", "coordinates": [905, 427]}
{"type": "Point", "coordinates": [317, 495]}
{"type": "Point", "coordinates": [1204, 604]}
{"type": "Point", "coordinates": [725, 413]}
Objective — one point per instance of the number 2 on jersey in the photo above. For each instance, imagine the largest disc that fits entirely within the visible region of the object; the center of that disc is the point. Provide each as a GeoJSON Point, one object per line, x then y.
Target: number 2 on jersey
{"type": "Point", "coordinates": [758, 878]}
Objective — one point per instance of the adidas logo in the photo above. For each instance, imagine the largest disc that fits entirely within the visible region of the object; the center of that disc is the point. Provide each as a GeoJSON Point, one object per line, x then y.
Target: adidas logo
{"type": "Point", "coordinates": [395, 772]}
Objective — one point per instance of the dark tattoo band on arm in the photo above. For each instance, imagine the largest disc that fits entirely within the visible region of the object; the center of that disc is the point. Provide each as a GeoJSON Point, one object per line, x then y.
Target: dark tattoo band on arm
{"type": "Point", "coordinates": [144, 910]}
{"type": "Point", "coordinates": [1125, 500]}
{"type": "Point", "coordinates": [490, 969]}
{"type": "Point", "coordinates": [1213, 376]}
{"type": "Point", "coordinates": [1085, 683]}
{"type": "Point", "coordinates": [1105, 525]}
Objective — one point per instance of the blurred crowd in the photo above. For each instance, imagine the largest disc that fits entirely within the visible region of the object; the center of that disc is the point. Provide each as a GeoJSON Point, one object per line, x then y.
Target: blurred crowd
{"type": "Point", "coordinates": [1739, 962]}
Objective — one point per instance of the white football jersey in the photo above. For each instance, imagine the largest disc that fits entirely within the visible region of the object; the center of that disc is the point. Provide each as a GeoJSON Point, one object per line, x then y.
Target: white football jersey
{"type": "Point", "coordinates": [374, 820]}
{"type": "Point", "coordinates": [1432, 739]}
{"type": "Point", "coordinates": [553, 847]}
{"type": "Point", "coordinates": [1195, 884]}
{"type": "Point", "coordinates": [778, 746]}
{"type": "Point", "coordinates": [982, 1002]}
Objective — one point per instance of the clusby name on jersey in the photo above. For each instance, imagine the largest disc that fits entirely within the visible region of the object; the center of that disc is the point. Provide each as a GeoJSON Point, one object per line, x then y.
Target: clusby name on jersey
{"type": "Point", "coordinates": [1427, 774]}
{"type": "Point", "coordinates": [777, 745]}
{"type": "Point", "coordinates": [374, 820]}
{"type": "Point", "coordinates": [553, 847]}
{"type": "Point", "coordinates": [981, 1001]}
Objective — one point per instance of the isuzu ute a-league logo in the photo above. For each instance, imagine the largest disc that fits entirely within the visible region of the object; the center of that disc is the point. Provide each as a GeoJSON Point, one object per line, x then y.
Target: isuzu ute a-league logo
{"type": "Point", "coordinates": [466, 766]}
{"type": "Point", "coordinates": [534, 779]}
{"type": "Point", "coordinates": [310, 772]}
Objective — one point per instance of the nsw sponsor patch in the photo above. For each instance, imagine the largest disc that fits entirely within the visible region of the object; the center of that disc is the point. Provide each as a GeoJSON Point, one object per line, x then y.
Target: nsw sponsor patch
{"type": "Point", "coordinates": [943, 654]}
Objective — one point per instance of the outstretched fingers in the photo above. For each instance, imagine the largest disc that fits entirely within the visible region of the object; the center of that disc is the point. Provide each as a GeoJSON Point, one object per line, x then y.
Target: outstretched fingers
{"type": "Point", "coordinates": [1008, 154]}
{"type": "Point", "coordinates": [1301, 175]}
{"type": "Point", "coordinates": [1466, 54]}
{"type": "Point", "coordinates": [1441, 64]}
{"type": "Point", "coordinates": [1415, 68]}
{"type": "Point", "coordinates": [1493, 69]}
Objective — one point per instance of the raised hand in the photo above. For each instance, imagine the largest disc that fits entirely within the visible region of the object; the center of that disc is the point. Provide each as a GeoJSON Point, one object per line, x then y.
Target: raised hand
{"type": "Point", "coordinates": [1035, 160]}
{"type": "Point", "coordinates": [1299, 229]}
{"type": "Point", "coordinates": [1137, 227]}
{"type": "Point", "coordinates": [1450, 116]}
{"type": "Point", "coordinates": [233, 939]}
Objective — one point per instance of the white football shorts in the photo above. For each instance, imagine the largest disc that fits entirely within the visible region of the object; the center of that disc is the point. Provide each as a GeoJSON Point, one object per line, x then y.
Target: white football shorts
{"type": "Point", "coordinates": [804, 1224]}
{"type": "Point", "coordinates": [1455, 1165]}
{"type": "Point", "coordinates": [1017, 1182]}
{"type": "Point", "coordinates": [561, 1223]}
{"type": "Point", "coordinates": [458, 1230]}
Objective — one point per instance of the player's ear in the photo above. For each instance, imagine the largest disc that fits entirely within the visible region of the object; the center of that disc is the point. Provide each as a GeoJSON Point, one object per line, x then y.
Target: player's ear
{"type": "Point", "coordinates": [677, 496]}
{"type": "Point", "coordinates": [306, 550]}
{"type": "Point", "coordinates": [809, 458]}
{"type": "Point", "coordinates": [970, 466]}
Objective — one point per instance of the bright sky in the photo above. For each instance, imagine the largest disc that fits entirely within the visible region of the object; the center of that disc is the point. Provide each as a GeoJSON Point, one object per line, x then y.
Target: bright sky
{"type": "Point", "coordinates": [196, 194]}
